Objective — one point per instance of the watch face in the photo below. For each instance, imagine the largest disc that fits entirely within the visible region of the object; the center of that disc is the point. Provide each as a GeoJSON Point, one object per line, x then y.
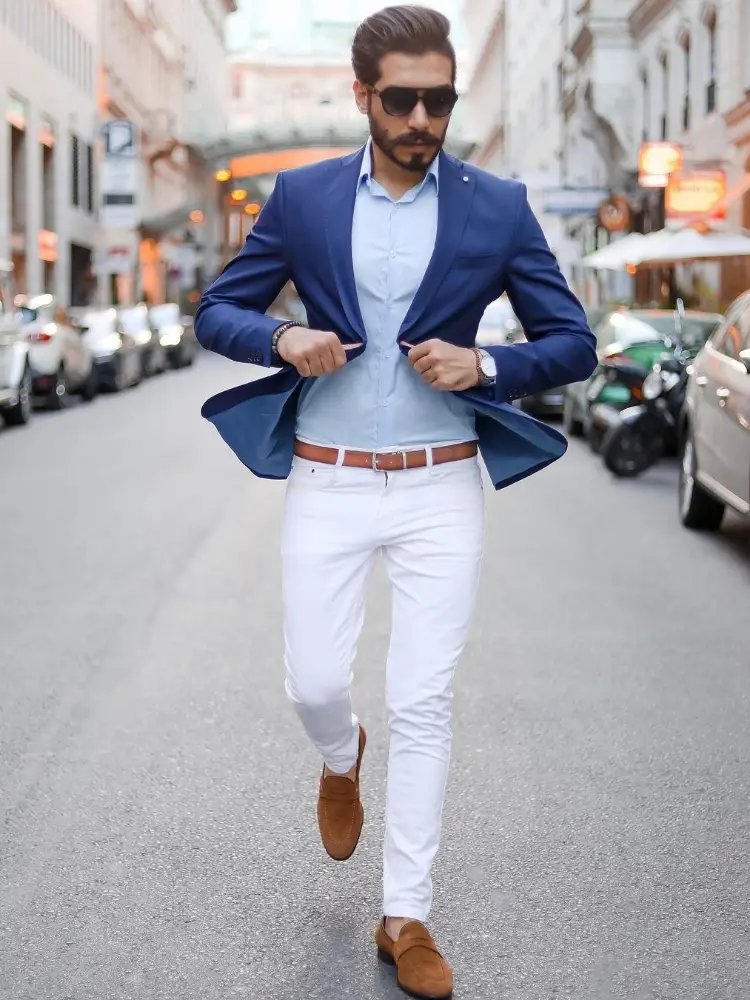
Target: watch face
{"type": "Point", "coordinates": [486, 365]}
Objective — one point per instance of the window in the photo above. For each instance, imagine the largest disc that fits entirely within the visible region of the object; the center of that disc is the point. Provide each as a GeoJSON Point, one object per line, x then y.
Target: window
{"type": "Point", "coordinates": [89, 177]}
{"type": "Point", "coordinates": [645, 107]}
{"type": "Point", "coordinates": [686, 84]}
{"type": "Point", "coordinates": [74, 170]}
{"type": "Point", "coordinates": [711, 85]}
{"type": "Point", "coordinates": [744, 324]}
{"type": "Point", "coordinates": [664, 131]}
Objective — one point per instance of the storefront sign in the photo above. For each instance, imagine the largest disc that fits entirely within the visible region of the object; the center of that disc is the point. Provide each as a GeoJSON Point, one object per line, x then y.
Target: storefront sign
{"type": "Point", "coordinates": [656, 161]}
{"type": "Point", "coordinates": [614, 214]}
{"type": "Point", "coordinates": [573, 201]}
{"type": "Point", "coordinates": [695, 193]}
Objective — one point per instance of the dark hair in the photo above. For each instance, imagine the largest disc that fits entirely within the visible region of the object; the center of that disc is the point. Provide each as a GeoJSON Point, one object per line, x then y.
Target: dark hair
{"type": "Point", "coordinates": [406, 28]}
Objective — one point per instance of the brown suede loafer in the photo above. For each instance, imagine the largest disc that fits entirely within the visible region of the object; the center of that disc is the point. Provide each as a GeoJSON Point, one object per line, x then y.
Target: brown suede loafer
{"type": "Point", "coordinates": [340, 812]}
{"type": "Point", "coordinates": [421, 969]}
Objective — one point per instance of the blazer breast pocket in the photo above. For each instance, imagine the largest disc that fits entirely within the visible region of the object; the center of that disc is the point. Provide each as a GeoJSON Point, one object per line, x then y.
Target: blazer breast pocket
{"type": "Point", "coordinates": [480, 260]}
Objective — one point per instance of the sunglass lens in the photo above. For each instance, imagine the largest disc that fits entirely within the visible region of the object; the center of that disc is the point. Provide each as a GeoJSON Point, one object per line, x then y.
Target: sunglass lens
{"type": "Point", "coordinates": [439, 102]}
{"type": "Point", "coordinates": [399, 100]}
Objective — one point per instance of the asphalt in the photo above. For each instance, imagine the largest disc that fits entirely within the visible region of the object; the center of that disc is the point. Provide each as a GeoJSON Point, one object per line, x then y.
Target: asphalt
{"type": "Point", "coordinates": [157, 793]}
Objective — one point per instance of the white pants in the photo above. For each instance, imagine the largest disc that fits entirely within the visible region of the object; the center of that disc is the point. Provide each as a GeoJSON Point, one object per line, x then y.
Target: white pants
{"type": "Point", "coordinates": [428, 523]}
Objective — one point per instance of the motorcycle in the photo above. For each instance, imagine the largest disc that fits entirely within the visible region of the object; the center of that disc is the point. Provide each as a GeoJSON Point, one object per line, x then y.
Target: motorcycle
{"type": "Point", "coordinates": [644, 433]}
{"type": "Point", "coordinates": [639, 435]}
{"type": "Point", "coordinates": [614, 388]}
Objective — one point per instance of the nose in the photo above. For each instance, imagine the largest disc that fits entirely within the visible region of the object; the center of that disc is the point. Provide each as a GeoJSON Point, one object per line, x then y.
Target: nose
{"type": "Point", "coordinates": [419, 119]}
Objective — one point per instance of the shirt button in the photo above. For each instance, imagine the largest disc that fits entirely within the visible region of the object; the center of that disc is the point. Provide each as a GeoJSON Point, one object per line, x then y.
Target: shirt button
{"type": "Point", "coordinates": [393, 253]}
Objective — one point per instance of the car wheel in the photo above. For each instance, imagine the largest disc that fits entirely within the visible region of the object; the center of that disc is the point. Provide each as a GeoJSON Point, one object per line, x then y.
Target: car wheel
{"type": "Point", "coordinates": [20, 412]}
{"type": "Point", "coordinates": [698, 509]}
{"type": "Point", "coordinates": [571, 424]}
{"type": "Point", "coordinates": [57, 397]}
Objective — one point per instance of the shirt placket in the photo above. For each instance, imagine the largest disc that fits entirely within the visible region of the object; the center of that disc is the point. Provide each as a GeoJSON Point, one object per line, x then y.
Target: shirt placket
{"type": "Point", "coordinates": [384, 353]}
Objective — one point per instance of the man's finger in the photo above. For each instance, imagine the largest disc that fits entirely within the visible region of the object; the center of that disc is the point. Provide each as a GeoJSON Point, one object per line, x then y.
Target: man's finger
{"type": "Point", "coordinates": [422, 365]}
{"type": "Point", "coordinates": [338, 354]}
{"type": "Point", "coordinates": [420, 351]}
{"type": "Point", "coordinates": [303, 368]}
{"type": "Point", "coordinates": [316, 368]}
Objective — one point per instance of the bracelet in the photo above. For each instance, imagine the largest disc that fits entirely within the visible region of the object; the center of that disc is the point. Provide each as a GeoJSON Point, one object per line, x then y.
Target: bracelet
{"type": "Point", "coordinates": [279, 332]}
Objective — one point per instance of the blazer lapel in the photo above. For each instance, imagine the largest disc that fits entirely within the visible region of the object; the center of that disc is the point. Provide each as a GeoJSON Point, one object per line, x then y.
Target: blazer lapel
{"type": "Point", "coordinates": [339, 214]}
{"type": "Point", "coordinates": [456, 189]}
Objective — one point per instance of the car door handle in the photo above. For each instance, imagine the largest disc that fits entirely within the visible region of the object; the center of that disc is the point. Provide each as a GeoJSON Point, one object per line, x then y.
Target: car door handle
{"type": "Point", "coordinates": [723, 393]}
{"type": "Point", "coordinates": [701, 381]}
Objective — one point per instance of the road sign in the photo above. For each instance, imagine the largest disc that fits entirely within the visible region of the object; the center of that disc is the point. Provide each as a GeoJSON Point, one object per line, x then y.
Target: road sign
{"type": "Point", "coordinates": [120, 138]}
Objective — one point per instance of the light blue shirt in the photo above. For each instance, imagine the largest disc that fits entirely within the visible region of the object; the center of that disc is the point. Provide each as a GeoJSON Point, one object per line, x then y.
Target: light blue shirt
{"type": "Point", "coordinates": [377, 401]}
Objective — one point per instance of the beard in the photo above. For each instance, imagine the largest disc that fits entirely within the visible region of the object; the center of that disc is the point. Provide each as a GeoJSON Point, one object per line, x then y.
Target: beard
{"type": "Point", "coordinates": [419, 161]}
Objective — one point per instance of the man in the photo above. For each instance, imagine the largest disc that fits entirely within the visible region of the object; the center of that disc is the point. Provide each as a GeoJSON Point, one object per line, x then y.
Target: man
{"type": "Point", "coordinates": [376, 417]}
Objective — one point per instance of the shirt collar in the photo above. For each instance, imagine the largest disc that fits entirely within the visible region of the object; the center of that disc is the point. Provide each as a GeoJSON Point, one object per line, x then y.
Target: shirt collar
{"type": "Point", "coordinates": [365, 171]}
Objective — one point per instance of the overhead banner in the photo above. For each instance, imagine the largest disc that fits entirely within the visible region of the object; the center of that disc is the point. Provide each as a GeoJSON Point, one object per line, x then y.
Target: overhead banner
{"type": "Point", "coordinates": [695, 193]}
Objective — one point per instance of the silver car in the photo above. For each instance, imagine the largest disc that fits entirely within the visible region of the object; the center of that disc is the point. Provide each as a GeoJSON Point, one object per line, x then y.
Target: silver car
{"type": "Point", "coordinates": [715, 438]}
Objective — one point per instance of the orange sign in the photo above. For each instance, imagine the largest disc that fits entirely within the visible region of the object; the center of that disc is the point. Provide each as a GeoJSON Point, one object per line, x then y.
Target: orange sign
{"type": "Point", "coordinates": [695, 192]}
{"type": "Point", "coordinates": [614, 214]}
{"type": "Point", "coordinates": [656, 161]}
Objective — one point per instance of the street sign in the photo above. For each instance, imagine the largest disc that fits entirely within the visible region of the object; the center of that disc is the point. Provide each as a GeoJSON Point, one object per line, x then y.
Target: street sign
{"type": "Point", "coordinates": [119, 176]}
{"type": "Point", "coordinates": [573, 201]}
{"type": "Point", "coordinates": [119, 138]}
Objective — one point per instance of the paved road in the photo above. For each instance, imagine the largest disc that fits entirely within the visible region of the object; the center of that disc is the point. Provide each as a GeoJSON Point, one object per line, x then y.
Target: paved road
{"type": "Point", "coordinates": [157, 793]}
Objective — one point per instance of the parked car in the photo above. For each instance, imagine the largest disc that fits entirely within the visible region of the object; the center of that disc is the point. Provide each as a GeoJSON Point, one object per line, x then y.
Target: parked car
{"type": "Point", "coordinates": [137, 322]}
{"type": "Point", "coordinates": [117, 356]}
{"type": "Point", "coordinates": [61, 362]}
{"type": "Point", "coordinates": [176, 333]}
{"type": "Point", "coordinates": [715, 432]}
{"type": "Point", "coordinates": [630, 338]}
{"type": "Point", "coordinates": [15, 370]}
{"type": "Point", "coordinates": [498, 325]}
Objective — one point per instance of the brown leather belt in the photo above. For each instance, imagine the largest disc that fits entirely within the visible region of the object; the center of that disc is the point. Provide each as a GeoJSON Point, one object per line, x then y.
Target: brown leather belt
{"type": "Point", "coordinates": [386, 461]}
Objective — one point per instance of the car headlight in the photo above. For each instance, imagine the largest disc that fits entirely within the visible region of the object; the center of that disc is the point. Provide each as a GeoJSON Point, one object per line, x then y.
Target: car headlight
{"type": "Point", "coordinates": [652, 386]}
{"type": "Point", "coordinates": [170, 336]}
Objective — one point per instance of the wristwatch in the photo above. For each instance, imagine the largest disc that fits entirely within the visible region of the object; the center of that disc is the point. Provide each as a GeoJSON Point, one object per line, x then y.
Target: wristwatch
{"type": "Point", "coordinates": [486, 367]}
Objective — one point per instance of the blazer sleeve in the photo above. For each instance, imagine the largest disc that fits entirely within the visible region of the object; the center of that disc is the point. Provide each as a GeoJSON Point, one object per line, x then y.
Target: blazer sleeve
{"type": "Point", "coordinates": [230, 318]}
{"type": "Point", "coordinates": [559, 347]}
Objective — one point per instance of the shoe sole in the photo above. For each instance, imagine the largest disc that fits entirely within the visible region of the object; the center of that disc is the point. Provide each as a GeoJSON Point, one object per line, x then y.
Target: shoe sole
{"type": "Point", "coordinates": [388, 959]}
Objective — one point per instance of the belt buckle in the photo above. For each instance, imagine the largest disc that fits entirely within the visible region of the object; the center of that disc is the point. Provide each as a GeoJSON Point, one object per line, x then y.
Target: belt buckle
{"type": "Point", "coordinates": [401, 452]}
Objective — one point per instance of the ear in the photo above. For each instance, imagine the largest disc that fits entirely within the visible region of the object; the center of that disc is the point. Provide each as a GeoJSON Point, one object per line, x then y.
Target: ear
{"type": "Point", "coordinates": [361, 96]}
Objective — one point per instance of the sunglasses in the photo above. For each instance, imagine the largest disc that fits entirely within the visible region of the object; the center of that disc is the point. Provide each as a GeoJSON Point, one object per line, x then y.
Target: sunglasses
{"type": "Point", "coordinates": [399, 101]}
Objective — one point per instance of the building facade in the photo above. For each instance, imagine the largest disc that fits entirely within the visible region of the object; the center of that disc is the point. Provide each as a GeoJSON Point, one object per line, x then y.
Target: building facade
{"type": "Point", "coordinates": [48, 219]}
{"type": "Point", "coordinates": [616, 73]}
{"type": "Point", "coordinates": [175, 93]}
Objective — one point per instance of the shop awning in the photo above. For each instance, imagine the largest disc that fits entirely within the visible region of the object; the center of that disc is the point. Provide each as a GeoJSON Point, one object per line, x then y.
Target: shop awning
{"type": "Point", "coordinates": [669, 247]}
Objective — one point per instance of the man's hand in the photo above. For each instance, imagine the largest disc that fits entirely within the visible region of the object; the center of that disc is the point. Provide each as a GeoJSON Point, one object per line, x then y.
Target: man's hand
{"type": "Point", "coordinates": [444, 366]}
{"type": "Point", "coordinates": [313, 352]}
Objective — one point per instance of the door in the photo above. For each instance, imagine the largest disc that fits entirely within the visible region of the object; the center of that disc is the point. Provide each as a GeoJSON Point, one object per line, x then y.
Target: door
{"type": "Point", "coordinates": [709, 403]}
{"type": "Point", "coordinates": [726, 398]}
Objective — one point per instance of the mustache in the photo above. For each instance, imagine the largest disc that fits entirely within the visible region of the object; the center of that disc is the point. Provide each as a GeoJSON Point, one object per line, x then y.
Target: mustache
{"type": "Point", "coordinates": [428, 140]}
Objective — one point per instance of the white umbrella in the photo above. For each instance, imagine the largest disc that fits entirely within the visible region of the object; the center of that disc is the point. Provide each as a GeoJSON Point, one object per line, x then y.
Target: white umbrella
{"type": "Point", "coordinates": [617, 255]}
{"type": "Point", "coordinates": [669, 246]}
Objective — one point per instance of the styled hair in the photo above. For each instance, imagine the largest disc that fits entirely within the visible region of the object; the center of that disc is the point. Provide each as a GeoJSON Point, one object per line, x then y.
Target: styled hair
{"type": "Point", "coordinates": [405, 28]}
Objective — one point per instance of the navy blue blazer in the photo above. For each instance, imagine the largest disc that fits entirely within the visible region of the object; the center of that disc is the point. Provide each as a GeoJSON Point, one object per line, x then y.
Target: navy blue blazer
{"type": "Point", "coordinates": [488, 241]}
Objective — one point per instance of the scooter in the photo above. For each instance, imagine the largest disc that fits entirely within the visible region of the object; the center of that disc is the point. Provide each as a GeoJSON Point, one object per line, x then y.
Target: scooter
{"type": "Point", "coordinates": [641, 434]}
{"type": "Point", "coordinates": [615, 388]}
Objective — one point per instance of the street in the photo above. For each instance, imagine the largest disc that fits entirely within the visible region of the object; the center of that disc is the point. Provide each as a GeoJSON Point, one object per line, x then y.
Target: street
{"type": "Point", "coordinates": [158, 793]}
